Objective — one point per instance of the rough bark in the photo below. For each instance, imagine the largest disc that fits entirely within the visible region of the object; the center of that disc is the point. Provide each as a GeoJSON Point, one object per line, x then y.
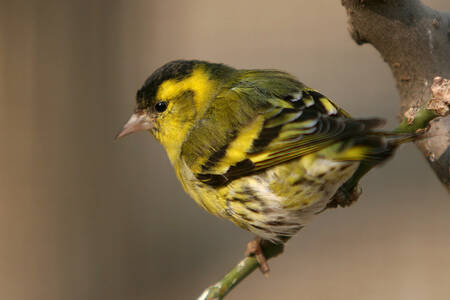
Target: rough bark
{"type": "Point", "coordinates": [414, 40]}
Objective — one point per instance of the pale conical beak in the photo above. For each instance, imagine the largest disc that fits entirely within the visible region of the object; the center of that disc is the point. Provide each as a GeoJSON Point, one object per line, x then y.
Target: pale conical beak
{"type": "Point", "coordinates": [138, 122]}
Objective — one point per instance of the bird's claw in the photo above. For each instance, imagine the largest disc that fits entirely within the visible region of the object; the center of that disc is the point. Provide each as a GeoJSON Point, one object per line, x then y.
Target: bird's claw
{"type": "Point", "coordinates": [254, 249]}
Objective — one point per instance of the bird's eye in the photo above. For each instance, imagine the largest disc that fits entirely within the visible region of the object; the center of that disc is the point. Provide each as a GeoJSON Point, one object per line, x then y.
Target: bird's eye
{"type": "Point", "coordinates": [161, 106]}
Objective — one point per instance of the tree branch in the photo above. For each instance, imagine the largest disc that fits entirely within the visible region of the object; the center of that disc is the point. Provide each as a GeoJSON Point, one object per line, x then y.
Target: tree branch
{"type": "Point", "coordinates": [414, 40]}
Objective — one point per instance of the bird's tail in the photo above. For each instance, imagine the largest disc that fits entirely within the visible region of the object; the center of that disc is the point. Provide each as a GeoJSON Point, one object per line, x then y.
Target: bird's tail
{"type": "Point", "coordinates": [393, 139]}
{"type": "Point", "coordinates": [373, 145]}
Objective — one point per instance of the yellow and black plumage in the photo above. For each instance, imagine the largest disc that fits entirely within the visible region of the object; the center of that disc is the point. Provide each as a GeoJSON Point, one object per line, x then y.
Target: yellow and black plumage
{"type": "Point", "coordinates": [256, 147]}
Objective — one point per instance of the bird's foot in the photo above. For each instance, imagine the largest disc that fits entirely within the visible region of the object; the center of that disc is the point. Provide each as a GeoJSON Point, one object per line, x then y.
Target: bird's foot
{"type": "Point", "coordinates": [254, 249]}
{"type": "Point", "coordinates": [344, 198]}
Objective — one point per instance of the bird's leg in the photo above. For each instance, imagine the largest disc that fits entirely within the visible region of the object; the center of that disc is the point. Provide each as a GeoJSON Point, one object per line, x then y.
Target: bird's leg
{"type": "Point", "coordinates": [344, 197]}
{"type": "Point", "coordinates": [254, 249]}
{"type": "Point", "coordinates": [350, 191]}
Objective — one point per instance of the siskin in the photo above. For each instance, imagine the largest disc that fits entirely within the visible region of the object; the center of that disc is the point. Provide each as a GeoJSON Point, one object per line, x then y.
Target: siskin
{"type": "Point", "coordinates": [256, 147]}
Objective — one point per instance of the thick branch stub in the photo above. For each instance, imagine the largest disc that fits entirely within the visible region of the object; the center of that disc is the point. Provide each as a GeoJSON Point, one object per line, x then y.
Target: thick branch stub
{"type": "Point", "coordinates": [414, 40]}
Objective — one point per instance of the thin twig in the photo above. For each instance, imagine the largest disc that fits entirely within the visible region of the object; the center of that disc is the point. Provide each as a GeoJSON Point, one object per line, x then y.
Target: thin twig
{"type": "Point", "coordinates": [244, 268]}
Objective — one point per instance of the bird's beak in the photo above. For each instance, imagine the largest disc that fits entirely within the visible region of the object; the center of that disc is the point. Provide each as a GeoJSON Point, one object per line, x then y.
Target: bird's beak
{"type": "Point", "coordinates": [139, 121]}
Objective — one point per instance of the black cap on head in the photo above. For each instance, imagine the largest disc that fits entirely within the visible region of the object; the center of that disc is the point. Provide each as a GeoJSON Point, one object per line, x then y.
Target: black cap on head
{"type": "Point", "coordinates": [177, 69]}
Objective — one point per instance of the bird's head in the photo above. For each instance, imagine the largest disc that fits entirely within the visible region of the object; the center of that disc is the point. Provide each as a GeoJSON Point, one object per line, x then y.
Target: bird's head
{"type": "Point", "coordinates": [173, 97]}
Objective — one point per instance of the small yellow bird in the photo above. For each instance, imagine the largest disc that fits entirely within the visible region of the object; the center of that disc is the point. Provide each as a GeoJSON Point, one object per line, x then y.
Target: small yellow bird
{"type": "Point", "coordinates": [256, 147]}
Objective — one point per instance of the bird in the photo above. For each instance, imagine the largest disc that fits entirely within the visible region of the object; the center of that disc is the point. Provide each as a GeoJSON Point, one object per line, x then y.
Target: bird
{"type": "Point", "coordinates": [257, 146]}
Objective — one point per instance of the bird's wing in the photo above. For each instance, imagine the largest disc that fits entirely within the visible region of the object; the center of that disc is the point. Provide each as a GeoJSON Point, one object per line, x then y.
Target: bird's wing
{"type": "Point", "coordinates": [283, 128]}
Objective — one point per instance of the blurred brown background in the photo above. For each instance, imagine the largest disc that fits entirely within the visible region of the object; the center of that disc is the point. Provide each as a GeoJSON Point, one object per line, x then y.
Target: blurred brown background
{"type": "Point", "coordinates": [83, 217]}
